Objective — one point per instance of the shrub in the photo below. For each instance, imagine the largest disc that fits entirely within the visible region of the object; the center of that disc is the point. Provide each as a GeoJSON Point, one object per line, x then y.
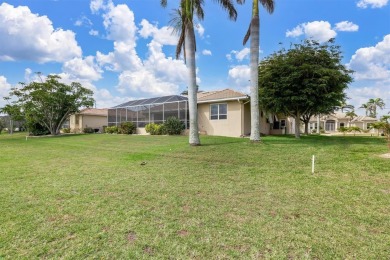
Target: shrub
{"type": "Point", "coordinates": [88, 130]}
{"type": "Point", "coordinates": [37, 129]}
{"type": "Point", "coordinates": [343, 129]}
{"type": "Point", "coordinates": [65, 130]}
{"type": "Point", "coordinates": [173, 126]}
{"type": "Point", "coordinates": [112, 129]}
{"type": "Point", "coordinates": [155, 129]}
{"type": "Point", "coordinates": [127, 128]}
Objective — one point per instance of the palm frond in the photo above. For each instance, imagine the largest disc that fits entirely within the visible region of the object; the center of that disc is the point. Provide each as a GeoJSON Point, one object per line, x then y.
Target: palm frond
{"type": "Point", "coordinates": [247, 35]}
{"type": "Point", "coordinates": [164, 3]}
{"type": "Point", "coordinates": [269, 5]}
{"type": "Point", "coordinates": [229, 7]}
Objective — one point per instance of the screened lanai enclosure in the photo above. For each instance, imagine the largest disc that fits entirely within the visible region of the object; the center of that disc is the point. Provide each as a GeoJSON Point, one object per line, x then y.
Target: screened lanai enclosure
{"type": "Point", "coordinates": [152, 110]}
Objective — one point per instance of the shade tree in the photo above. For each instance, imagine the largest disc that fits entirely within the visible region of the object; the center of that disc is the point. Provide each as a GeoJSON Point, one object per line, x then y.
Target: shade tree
{"type": "Point", "coordinates": [47, 104]}
{"type": "Point", "coordinates": [305, 80]}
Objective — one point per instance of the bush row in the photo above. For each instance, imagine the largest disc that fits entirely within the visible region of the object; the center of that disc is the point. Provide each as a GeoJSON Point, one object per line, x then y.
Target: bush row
{"type": "Point", "coordinates": [172, 126]}
{"type": "Point", "coordinates": [126, 128]}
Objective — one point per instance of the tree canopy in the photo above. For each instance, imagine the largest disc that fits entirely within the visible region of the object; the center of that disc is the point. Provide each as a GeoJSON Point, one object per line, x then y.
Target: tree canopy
{"type": "Point", "coordinates": [307, 79]}
{"type": "Point", "coordinates": [48, 103]}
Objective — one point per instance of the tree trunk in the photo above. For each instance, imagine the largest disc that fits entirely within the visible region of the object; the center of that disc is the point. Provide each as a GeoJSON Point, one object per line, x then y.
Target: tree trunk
{"type": "Point", "coordinates": [297, 126]}
{"type": "Point", "coordinates": [307, 128]}
{"type": "Point", "coordinates": [11, 126]}
{"type": "Point", "coordinates": [254, 72]}
{"type": "Point", "coordinates": [192, 89]}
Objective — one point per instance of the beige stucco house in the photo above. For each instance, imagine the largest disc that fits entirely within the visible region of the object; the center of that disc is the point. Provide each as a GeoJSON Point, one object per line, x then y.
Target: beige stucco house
{"type": "Point", "coordinates": [227, 113]}
{"type": "Point", "coordinates": [88, 117]}
{"type": "Point", "coordinates": [332, 122]}
{"type": "Point", "coordinates": [223, 112]}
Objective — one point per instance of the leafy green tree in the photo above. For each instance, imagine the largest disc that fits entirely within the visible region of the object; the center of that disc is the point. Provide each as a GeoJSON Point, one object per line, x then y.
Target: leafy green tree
{"type": "Point", "coordinates": [183, 24]}
{"type": "Point", "coordinates": [307, 79]}
{"type": "Point", "coordinates": [254, 34]}
{"type": "Point", "coordinates": [48, 103]}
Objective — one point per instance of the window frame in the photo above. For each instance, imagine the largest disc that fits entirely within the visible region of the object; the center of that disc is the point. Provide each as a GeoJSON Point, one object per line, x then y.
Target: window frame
{"type": "Point", "coordinates": [218, 115]}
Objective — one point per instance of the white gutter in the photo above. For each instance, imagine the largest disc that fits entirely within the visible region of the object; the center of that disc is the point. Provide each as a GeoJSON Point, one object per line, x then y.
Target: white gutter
{"type": "Point", "coordinates": [221, 100]}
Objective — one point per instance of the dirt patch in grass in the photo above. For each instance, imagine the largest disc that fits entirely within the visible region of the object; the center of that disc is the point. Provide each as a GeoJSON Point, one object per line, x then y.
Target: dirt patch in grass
{"type": "Point", "coordinates": [386, 155]}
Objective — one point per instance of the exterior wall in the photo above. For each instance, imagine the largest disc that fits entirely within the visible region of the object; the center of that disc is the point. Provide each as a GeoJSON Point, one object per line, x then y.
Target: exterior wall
{"type": "Point", "coordinates": [247, 118]}
{"type": "Point", "coordinates": [223, 127]}
{"type": "Point", "coordinates": [95, 122]}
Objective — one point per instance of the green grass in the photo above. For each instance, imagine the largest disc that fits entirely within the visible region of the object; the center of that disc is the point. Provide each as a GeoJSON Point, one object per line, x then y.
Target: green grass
{"type": "Point", "coordinates": [87, 196]}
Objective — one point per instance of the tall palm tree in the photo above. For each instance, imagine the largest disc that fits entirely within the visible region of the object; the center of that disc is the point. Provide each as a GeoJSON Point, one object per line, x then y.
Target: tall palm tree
{"type": "Point", "coordinates": [183, 24]}
{"type": "Point", "coordinates": [367, 107]}
{"type": "Point", "coordinates": [254, 34]}
{"type": "Point", "coordinates": [351, 115]}
{"type": "Point", "coordinates": [374, 103]}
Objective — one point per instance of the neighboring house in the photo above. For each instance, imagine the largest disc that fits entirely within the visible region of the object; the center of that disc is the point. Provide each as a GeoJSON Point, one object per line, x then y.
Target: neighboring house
{"type": "Point", "coordinates": [223, 112]}
{"type": "Point", "coordinates": [89, 117]}
{"type": "Point", "coordinates": [331, 123]}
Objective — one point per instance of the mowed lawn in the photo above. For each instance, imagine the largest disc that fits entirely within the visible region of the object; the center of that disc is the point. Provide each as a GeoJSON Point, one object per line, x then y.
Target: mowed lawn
{"type": "Point", "coordinates": [88, 196]}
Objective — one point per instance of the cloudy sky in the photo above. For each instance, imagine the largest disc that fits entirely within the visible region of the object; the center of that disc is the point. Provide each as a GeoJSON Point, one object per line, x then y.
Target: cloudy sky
{"type": "Point", "coordinates": [124, 50]}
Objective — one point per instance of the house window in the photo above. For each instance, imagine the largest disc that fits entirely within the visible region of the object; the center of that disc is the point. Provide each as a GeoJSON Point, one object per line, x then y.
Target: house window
{"type": "Point", "coordinates": [282, 123]}
{"type": "Point", "coordinates": [369, 126]}
{"type": "Point", "coordinates": [341, 124]}
{"type": "Point", "coordinates": [218, 111]}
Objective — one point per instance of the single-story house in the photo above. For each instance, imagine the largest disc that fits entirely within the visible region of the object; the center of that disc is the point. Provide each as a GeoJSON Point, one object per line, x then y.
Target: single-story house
{"type": "Point", "coordinates": [94, 118]}
{"type": "Point", "coordinates": [223, 112]}
{"type": "Point", "coordinates": [332, 122]}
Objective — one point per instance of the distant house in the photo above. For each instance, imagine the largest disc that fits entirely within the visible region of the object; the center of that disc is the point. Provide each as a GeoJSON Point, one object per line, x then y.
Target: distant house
{"type": "Point", "coordinates": [331, 123]}
{"type": "Point", "coordinates": [89, 117]}
{"type": "Point", "coordinates": [223, 112]}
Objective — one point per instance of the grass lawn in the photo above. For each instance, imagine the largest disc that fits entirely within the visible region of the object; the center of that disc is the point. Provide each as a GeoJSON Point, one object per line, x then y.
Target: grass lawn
{"type": "Point", "coordinates": [88, 196]}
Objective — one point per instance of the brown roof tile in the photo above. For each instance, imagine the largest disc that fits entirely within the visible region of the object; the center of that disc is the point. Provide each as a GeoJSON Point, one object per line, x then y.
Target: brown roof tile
{"type": "Point", "coordinates": [94, 111]}
{"type": "Point", "coordinates": [220, 95]}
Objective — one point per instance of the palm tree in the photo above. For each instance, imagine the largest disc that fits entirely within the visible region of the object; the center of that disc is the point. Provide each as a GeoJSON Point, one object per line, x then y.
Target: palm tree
{"type": "Point", "coordinates": [254, 33]}
{"type": "Point", "coordinates": [374, 103]}
{"type": "Point", "coordinates": [183, 24]}
{"type": "Point", "coordinates": [351, 115]}
{"type": "Point", "coordinates": [367, 107]}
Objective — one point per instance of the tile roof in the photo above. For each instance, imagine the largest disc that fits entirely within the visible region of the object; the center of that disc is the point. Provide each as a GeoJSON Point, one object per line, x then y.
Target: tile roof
{"type": "Point", "coordinates": [220, 95]}
{"type": "Point", "coordinates": [94, 111]}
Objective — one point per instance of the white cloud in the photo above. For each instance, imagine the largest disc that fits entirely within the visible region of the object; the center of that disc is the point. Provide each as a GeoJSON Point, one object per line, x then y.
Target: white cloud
{"type": "Point", "coordinates": [28, 36]}
{"type": "Point", "coordinates": [83, 21]}
{"type": "Point", "coordinates": [163, 35]}
{"type": "Point", "coordinates": [297, 31]}
{"type": "Point", "coordinates": [346, 26]}
{"type": "Point", "coordinates": [372, 63]}
{"type": "Point", "coordinates": [206, 52]}
{"type": "Point", "coordinates": [97, 5]}
{"type": "Point", "coordinates": [317, 30]}
{"type": "Point", "coordinates": [93, 33]}
{"type": "Point", "coordinates": [199, 29]}
{"type": "Point", "coordinates": [5, 88]}
{"type": "Point", "coordinates": [119, 23]}
{"type": "Point", "coordinates": [372, 3]}
{"type": "Point", "coordinates": [360, 95]}
{"type": "Point", "coordinates": [239, 76]}
{"type": "Point", "coordinates": [238, 55]}
{"type": "Point", "coordinates": [83, 68]}
{"type": "Point", "coordinates": [156, 74]}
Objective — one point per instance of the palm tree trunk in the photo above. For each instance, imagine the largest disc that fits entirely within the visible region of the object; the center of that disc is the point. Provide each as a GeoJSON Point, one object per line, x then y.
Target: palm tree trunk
{"type": "Point", "coordinates": [192, 89]}
{"type": "Point", "coordinates": [254, 72]}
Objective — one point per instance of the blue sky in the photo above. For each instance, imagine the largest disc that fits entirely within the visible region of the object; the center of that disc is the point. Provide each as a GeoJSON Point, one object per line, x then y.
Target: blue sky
{"type": "Point", "coordinates": [124, 50]}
